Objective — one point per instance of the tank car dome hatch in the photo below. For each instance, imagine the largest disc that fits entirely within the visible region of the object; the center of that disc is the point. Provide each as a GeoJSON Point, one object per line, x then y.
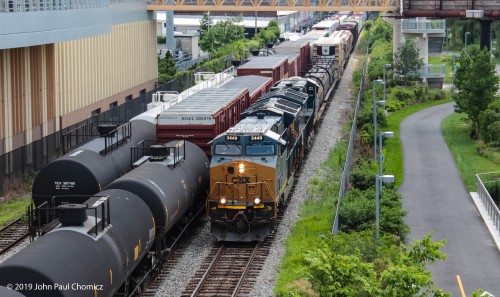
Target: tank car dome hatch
{"type": "Point", "coordinates": [159, 152]}
{"type": "Point", "coordinates": [72, 214]}
{"type": "Point", "coordinates": [106, 129]}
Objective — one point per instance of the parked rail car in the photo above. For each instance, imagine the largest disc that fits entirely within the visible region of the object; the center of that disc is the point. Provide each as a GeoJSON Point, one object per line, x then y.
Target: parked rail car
{"type": "Point", "coordinates": [351, 26]}
{"type": "Point", "coordinates": [275, 67]}
{"type": "Point", "coordinates": [87, 169]}
{"type": "Point", "coordinates": [202, 116]}
{"type": "Point", "coordinates": [294, 63]}
{"type": "Point", "coordinates": [98, 244]}
{"type": "Point", "coordinates": [256, 85]}
{"type": "Point", "coordinates": [300, 46]}
{"type": "Point", "coordinates": [328, 25]}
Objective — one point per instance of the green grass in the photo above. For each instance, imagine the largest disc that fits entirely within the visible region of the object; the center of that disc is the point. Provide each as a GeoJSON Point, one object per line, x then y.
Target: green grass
{"type": "Point", "coordinates": [464, 151]}
{"type": "Point", "coordinates": [316, 218]}
{"type": "Point", "coordinates": [448, 70]}
{"type": "Point", "coordinates": [12, 209]}
{"type": "Point", "coordinates": [393, 163]}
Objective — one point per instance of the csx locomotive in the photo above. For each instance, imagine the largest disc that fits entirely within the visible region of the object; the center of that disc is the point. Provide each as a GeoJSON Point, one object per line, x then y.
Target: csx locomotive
{"type": "Point", "coordinates": [252, 166]}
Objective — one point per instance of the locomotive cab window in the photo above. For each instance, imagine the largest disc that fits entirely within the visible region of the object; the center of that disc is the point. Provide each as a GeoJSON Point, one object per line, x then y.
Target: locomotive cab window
{"type": "Point", "coordinates": [260, 149]}
{"type": "Point", "coordinates": [228, 149]}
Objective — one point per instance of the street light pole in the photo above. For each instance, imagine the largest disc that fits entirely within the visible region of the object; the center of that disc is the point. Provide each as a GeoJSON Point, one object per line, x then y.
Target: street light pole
{"type": "Point", "coordinates": [375, 103]}
{"type": "Point", "coordinates": [467, 34]}
{"type": "Point", "coordinates": [385, 82]}
{"type": "Point", "coordinates": [379, 179]}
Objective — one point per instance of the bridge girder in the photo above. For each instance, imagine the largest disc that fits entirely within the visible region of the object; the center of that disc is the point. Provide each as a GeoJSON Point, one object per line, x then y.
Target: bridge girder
{"type": "Point", "coordinates": [276, 5]}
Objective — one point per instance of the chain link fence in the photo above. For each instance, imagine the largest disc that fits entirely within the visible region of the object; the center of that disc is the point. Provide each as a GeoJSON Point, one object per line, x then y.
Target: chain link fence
{"type": "Point", "coordinates": [350, 150]}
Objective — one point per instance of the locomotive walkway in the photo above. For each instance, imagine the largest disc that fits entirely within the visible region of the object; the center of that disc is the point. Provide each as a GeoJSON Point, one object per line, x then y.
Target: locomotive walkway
{"type": "Point", "coordinates": [437, 201]}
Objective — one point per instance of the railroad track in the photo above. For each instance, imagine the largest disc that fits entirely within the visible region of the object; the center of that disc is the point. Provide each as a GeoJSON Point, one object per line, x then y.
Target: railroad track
{"type": "Point", "coordinates": [12, 234]}
{"type": "Point", "coordinates": [231, 269]}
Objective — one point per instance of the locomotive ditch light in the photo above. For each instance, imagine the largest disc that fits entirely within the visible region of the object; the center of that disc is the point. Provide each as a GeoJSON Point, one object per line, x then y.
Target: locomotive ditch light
{"type": "Point", "coordinates": [241, 168]}
{"type": "Point", "coordinates": [257, 200]}
{"type": "Point", "coordinates": [223, 200]}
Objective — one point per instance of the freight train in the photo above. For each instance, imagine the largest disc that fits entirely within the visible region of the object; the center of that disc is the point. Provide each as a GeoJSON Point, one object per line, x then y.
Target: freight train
{"type": "Point", "coordinates": [99, 244]}
{"type": "Point", "coordinates": [253, 163]}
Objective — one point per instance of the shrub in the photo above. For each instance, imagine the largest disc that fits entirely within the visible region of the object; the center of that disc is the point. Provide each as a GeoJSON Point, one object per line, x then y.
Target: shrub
{"type": "Point", "coordinates": [161, 39]}
{"type": "Point", "coordinates": [363, 175]}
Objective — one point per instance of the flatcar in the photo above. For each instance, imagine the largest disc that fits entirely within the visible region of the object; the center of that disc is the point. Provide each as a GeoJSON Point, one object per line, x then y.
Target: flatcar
{"type": "Point", "coordinates": [97, 245]}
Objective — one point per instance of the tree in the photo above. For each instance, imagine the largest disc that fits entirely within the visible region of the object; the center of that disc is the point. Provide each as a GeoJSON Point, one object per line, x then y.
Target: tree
{"type": "Point", "coordinates": [215, 36]}
{"type": "Point", "coordinates": [407, 62]}
{"type": "Point", "coordinates": [166, 68]}
{"type": "Point", "coordinates": [477, 84]}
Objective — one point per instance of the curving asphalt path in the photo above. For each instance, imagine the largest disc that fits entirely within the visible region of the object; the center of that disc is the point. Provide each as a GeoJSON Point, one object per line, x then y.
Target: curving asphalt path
{"type": "Point", "coordinates": [437, 201]}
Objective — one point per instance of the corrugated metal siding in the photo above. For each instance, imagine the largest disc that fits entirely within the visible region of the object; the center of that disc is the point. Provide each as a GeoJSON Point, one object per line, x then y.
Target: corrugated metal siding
{"type": "Point", "coordinates": [2, 97]}
{"type": "Point", "coordinates": [96, 68]}
{"type": "Point", "coordinates": [26, 93]}
{"type": "Point", "coordinates": [17, 83]}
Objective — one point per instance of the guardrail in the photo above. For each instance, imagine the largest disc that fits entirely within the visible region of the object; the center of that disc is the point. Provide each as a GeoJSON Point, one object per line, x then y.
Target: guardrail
{"type": "Point", "coordinates": [482, 191]}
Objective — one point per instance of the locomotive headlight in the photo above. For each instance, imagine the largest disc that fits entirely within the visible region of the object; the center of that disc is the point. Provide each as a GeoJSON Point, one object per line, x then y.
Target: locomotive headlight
{"type": "Point", "coordinates": [223, 200]}
{"type": "Point", "coordinates": [257, 200]}
{"type": "Point", "coordinates": [241, 168]}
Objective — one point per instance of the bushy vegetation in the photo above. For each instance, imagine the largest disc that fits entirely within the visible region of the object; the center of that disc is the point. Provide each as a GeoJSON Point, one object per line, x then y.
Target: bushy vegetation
{"type": "Point", "coordinates": [354, 263]}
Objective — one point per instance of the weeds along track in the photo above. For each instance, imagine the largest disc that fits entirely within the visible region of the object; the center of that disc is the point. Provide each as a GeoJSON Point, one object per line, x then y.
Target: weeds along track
{"type": "Point", "coordinates": [12, 234]}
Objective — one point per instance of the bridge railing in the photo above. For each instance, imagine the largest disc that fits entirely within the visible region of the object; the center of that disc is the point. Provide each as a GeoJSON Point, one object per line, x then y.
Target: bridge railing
{"type": "Point", "coordinates": [430, 70]}
{"type": "Point", "coordinates": [423, 25]}
{"type": "Point", "coordinates": [483, 182]}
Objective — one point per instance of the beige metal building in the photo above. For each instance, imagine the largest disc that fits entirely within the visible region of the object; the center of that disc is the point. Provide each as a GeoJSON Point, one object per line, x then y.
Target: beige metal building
{"type": "Point", "coordinates": [64, 61]}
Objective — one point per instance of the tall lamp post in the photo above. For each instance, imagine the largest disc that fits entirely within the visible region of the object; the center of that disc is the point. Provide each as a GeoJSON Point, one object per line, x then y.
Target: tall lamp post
{"type": "Point", "coordinates": [388, 66]}
{"type": "Point", "coordinates": [467, 34]}
{"type": "Point", "coordinates": [379, 180]}
{"type": "Point", "coordinates": [375, 104]}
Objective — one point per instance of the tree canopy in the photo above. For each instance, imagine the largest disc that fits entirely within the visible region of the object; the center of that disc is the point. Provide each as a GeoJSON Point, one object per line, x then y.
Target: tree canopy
{"type": "Point", "coordinates": [214, 36]}
{"type": "Point", "coordinates": [477, 84]}
{"type": "Point", "coordinates": [407, 62]}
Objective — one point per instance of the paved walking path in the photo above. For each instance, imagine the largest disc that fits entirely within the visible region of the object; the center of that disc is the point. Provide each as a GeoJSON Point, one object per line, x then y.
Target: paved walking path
{"type": "Point", "coordinates": [437, 200]}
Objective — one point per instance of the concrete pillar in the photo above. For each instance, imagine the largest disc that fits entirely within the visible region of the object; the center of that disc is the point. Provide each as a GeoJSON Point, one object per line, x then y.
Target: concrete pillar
{"type": "Point", "coordinates": [397, 36]}
{"type": "Point", "coordinates": [485, 35]}
{"type": "Point", "coordinates": [424, 48]}
{"type": "Point", "coordinates": [169, 27]}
